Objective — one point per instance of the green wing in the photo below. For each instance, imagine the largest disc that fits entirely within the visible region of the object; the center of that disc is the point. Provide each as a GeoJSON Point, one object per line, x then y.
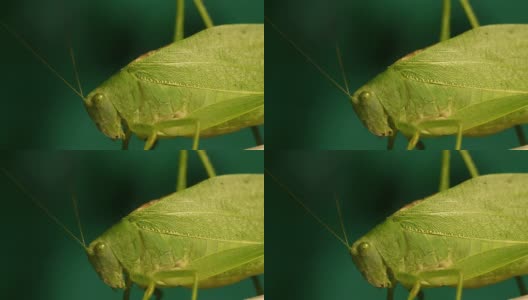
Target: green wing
{"type": "Point", "coordinates": [492, 207]}
{"type": "Point", "coordinates": [490, 58]}
{"type": "Point", "coordinates": [222, 58]}
{"type": "Point", "coordinates": [224, 208]}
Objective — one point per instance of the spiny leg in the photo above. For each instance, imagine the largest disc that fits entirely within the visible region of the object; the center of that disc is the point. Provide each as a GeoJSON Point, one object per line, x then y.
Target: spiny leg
{"type": "Point", "coordinates": [257, 285]}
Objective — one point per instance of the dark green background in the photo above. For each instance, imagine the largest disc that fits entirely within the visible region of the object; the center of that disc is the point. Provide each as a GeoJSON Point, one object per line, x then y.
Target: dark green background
{"type": "Point", "coordinates": [307, 111]}
{"type": "Point", "coordinates": [306, 262]}
{"type": "Point", "coordinates": [41, 262]}
{"type": "Point", "coordinates": [39, 112]}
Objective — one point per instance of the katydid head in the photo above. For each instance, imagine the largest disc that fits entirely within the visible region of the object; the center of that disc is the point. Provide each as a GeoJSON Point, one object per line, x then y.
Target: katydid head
{"type": "Point", "coordinates": [106, 263]}
{"type": "Point", "coordinates": [103, 112]}
{"type": "Point", "coordinates": [371, 112]}
{"type": "Point", "coordinates": [370, 263]}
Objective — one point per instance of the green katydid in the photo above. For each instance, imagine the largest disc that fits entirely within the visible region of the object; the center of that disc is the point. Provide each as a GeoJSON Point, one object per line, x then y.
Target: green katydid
{"type": "Point", "coordinates": [472, 230]}
{"type": "Point", "coordinates": [227, 213]}
{"type": "Point", "coordinates": [470, 85]}
{"type": "Point", "coordinates": [209, 84]}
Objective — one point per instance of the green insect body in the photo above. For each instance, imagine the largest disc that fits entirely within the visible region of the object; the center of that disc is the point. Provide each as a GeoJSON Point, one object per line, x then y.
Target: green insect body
{"type": "Point", "coordinates": [209, 235]}
{"type": "Point", "coordinates": [464, 237]}
{"type": "Point", "coordinates": [208, 84]}
{"type": "Point", "coordinates": [473, 84]}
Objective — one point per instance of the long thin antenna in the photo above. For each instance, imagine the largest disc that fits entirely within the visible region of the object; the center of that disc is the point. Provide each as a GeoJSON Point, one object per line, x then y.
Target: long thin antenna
{"type": "Point", "coordinates": [342, 67]}
{"type": "Point", "coordinates": [294, 197]}
{"type": "Point", "coordinates": [39, 57]}
{"type": "Point", "coordinates": [338, 206]}
{"type": "Point", "coordinates": [42, 207]}
{"type": "Point", "coordinates": [78, 217]}
{"type": "Point", "coordinates": [307, 57]}
{"type": "Point", "coordinates": [76, 71]}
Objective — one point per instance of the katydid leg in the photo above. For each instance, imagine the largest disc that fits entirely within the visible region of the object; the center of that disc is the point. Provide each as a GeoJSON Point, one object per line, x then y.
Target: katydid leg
{"type": "Point", "coordinates": [206, 163]}
{"type": "Point", "coordinates": [256, 135]}
{"type": "Point", "coordinates": [520, 135]}
{"type": "Point", "coordinates": [126, 140]}
{"type": "Point", "coordinates": [444, 172]}
{"type": "Point", "coordinates": [414, 291]}
{"type": "Point", "coordinates": [390, 293]}
{"type": "Point", "coordinates": [180, 20]}
{"type": "Point", "coordinates": [520, 285]}
{"type": "Point", "coordinates": [149, 290]}
{"type": "Point", "coordinates": [257, 285]}
{"type": "Point", "coordinates": [158, 293]}
{"type": "Point", "coordinates": [203, 13]}
{"type": "Point", "coordinates": [182, 171]}
{"type": "Point", "coordinates": [446, 21]}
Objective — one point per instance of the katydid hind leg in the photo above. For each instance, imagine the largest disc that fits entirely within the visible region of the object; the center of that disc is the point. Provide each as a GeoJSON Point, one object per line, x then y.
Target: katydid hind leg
{"type": "Point", "coordinates": [520, 285]}
{"type": "Point", "coordinates": [158, 293]}
{"type": "Point", "coordinates": [126, 140]}
{"type": "Point", "coordinates": [190, 275]}
{"type": "Point", "coordinates": [520, 135]}
{"type": "Point", "coordinates": [414, 290]}
{"type": "Point", "coordinates": [444, 172]}
{"type": "Point", "coordinates": [390, 293]}
{"type": "Point", "coordinates": [256, 135]}
{"type": "Point", "coordinates": [446, 21]}
{"type": "Point", "coordinates": [181, 182]}
{"type": "Point", "coordinates": [203, 13]}
{"type": "Point", "coordinates": [258, 286]}
{"type": "Point", "coordinates": [206, 162]}
{"type": "Point", "coordinates": [149, 290]}
{"type": "Point", "coordinates": [151, 141]}
{"type": "Point", "coordinates": [179, 31]}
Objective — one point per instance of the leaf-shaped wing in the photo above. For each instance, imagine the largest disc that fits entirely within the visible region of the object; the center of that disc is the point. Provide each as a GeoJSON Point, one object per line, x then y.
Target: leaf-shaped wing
{"type": "Point", "coordinates": [489, 58]}
{"type": "Point", "coordinates": [223, 208]}
{"type": "Point", "coordinates": [491, 207]}
{"type": "Point", "coordinates": [222, 58]}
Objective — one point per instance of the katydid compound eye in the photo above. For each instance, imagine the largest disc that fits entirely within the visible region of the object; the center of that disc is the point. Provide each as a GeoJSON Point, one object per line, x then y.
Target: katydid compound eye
{"type": "Point", "coordinates": [362, 247]}
{"type": "Point", "coordinates": [100, 247]}
{"type": "Point", "coordinates": [98, 97]}
{"type": "Point", "coordinates": [364, 96]}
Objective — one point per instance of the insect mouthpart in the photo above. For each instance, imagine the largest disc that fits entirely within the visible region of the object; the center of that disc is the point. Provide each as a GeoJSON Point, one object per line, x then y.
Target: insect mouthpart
{"type": "Point", "coordinates": [104, 114]}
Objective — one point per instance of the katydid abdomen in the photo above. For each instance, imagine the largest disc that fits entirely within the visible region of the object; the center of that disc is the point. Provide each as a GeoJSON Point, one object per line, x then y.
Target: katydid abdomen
{"type": "Point", "coordinates": [476, 80]}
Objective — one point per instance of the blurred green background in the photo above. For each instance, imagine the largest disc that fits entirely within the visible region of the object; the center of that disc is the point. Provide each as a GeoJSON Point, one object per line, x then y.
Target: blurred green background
{"type": "Point", "coordinates": [40, 112]}
{"type": "Point", "coordinates": [372, 35]}
{"type": "Point", "coordinates": [309, 263]}
{"type": "Point", "coordinates": [42, 262]}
